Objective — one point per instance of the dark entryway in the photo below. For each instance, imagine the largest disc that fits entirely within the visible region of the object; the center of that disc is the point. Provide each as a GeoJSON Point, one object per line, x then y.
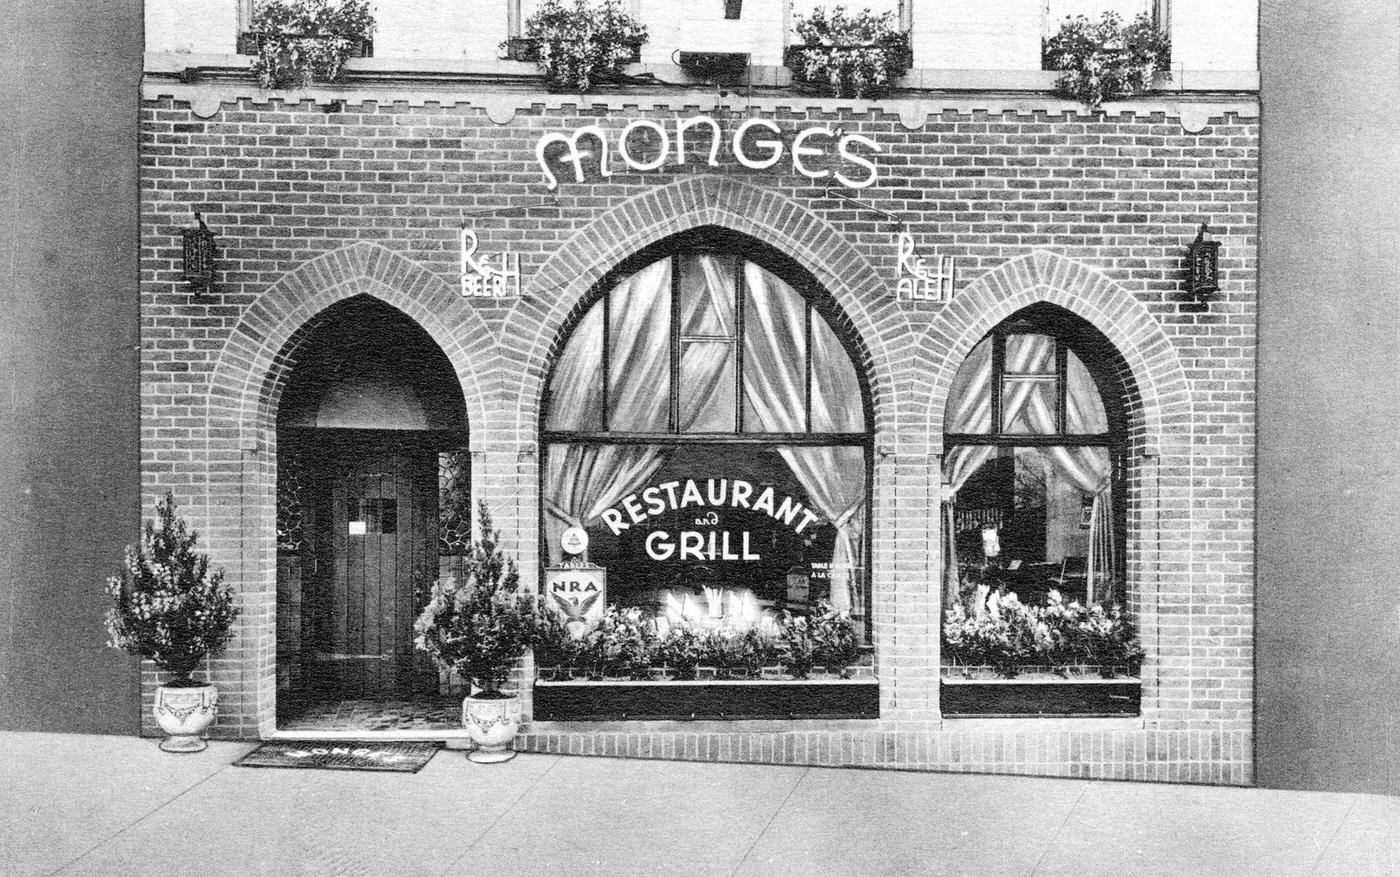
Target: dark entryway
{"type": "Point", "coordinates": [371, 443]}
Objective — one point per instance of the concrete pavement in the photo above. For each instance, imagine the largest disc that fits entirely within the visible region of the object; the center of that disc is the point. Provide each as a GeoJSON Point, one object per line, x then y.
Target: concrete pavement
{"type": "Point", "coordinates": [90, 805]}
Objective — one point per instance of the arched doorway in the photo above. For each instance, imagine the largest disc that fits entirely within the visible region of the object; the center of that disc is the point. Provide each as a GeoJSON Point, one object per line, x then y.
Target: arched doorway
{"type": "Point", "coordinates": [708, 427]}
{"type": "Point", "coordinates": [370, 430]}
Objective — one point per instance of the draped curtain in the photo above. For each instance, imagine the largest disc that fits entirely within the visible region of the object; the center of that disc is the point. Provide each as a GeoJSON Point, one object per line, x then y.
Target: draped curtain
{"type": "Point", "coordinates": [582, 481]}
{"type": "Point", "coordinates": [774, 378]}
{"type": "Point", "coordinates": [1028, 406]}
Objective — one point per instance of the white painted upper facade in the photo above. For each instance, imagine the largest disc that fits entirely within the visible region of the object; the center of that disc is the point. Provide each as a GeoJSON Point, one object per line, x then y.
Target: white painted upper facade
{"type": "Point", "coordinates": [946, 35]}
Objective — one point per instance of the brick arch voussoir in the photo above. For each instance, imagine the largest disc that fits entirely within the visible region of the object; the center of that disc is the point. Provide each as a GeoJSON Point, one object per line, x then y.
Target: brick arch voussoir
{"type": "Point", "coordinates": [1163, 409]}
{"type": "Point", "coordinates": [252, 367]}
{"type": "Point", "coordinates": [556, 290]}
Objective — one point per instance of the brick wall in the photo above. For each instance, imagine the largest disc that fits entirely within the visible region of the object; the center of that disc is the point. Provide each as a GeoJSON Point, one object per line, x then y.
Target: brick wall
{"type": "Point", "coordinates": [314, 203]}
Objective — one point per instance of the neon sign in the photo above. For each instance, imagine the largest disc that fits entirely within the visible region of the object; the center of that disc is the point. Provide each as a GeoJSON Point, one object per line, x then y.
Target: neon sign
{"type": "Point", "coordinates": [679, 144]}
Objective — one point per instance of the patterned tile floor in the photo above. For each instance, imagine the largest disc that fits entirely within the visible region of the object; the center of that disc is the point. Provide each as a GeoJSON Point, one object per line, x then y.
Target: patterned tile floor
{"type": "Point", "coordinates": [421, 714]}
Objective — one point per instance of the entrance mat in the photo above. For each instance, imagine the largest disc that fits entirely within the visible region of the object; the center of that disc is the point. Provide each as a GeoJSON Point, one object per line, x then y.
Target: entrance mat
{"type": "Point", "coordinates": [405, 757]}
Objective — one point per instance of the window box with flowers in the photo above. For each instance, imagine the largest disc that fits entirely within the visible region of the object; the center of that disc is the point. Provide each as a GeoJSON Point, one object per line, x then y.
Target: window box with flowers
{"type": "Point", "coordinates": [1106, 59]}
{"type": "Point", "coordinates": [299, 42]}
{"type": "Point", "coordinates": [851, 55]}
{"type": "Point", "coordinates": [1002, 657]}
{"type": "Point", "coordinates": [579, 45]}
{"type": "Point", "coordinates": [631, 665]}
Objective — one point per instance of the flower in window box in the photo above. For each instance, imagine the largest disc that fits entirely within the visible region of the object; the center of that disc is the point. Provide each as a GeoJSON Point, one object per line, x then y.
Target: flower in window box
{"type": "Point", "coordinates": [298, 42]}
{"type": "Point", "coordinates": [845, 54]}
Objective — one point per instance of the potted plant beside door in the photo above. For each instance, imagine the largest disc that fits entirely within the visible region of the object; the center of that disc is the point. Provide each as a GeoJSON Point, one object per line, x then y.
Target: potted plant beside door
{"type": "Point", "coordinates": [480, 625]}
{"type": "Point", "coordinates": [169, 607]}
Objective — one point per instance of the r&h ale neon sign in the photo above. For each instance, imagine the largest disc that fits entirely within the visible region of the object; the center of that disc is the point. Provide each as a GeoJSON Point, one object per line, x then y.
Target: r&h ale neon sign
{"type": "Point", "coordinates": [923, 278]}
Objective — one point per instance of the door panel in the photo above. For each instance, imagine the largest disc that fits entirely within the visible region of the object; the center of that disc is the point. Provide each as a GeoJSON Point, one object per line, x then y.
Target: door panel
{"type": "Point", "coordinates": [380, 500]}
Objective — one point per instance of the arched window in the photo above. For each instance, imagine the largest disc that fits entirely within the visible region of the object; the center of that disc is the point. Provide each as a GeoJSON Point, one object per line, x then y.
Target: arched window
{"type": "Point", "coordinates": [709, 431]}
{"type": "Point", "coordinates": [1034, 444]}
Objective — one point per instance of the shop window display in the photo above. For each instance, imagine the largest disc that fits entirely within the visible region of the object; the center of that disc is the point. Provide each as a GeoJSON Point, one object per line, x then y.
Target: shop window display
{"type": "Point", "coordinates": [1033, 523]}
{"type": "Point", "coordinates": [707, 429]}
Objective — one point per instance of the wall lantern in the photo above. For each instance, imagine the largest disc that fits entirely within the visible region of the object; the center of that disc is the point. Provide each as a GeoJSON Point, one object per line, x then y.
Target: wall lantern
{"type": "Point", "coordinates": [199, 255]}
{"type": "Point", "coordinates": [1204, 257]}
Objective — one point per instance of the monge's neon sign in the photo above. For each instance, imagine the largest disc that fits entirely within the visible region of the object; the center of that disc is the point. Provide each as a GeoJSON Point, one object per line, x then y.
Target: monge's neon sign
{"type": "Point", "coordinates": [755, 144]}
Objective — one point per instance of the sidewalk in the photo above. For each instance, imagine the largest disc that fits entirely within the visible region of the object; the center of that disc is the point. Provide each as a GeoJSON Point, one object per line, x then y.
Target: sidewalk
{"type": "Point", "coordinates": [116, 805]}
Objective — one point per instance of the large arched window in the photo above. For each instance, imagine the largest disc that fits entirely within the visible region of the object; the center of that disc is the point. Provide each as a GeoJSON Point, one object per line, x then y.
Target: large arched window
{"type": "Point", "coordinates": [1034, 442]}
{"type": "Point", "coordinates": [710, 432]}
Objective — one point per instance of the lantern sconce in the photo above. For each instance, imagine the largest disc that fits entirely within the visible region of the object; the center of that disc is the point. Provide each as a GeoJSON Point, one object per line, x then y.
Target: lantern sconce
{"type": "Point", "coordinates": [199, 255]}
{"type": "Point", "coordinates": [1204, 257]}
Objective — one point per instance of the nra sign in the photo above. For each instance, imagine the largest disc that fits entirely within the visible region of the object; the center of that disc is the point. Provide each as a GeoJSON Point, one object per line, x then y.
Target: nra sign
{"type": "Point", "coordinates": [578, 592]}
{"type": "Point", "coordinates": [815, 152]}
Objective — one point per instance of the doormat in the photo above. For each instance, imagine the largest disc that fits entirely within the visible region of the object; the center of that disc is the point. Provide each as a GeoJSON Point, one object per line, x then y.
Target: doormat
{"type": "Point", "coordinates": [407, 757]}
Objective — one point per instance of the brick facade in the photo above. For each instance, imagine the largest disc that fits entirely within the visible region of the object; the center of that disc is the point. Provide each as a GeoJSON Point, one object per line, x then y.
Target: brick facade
{"type": "Point", "coordinates": [315, 203]}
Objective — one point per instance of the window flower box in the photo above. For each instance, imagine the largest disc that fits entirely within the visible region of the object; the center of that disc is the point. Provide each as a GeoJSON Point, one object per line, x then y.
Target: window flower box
{"type": "Point", "coordinates": [983, 695]}
{"type": "Point", "coordinates": [709, 700]}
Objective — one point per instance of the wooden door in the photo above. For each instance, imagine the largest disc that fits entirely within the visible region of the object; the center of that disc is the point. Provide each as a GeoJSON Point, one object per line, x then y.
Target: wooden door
{"type": "Point", "coordinates": [378, 496]}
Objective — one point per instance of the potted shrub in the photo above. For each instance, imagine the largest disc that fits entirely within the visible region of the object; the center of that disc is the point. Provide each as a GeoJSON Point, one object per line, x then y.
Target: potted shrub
{"type": "Point", "coordinates": [481, 626]}
{"type": "Point", "coordinates": [1106, 60]}
{"type": "Point", "coordinates": [169, 607]}
{"type": "Point", "coordinates": [580, 44]}
{"type": "Point", "coordinates": [845, 54]}
{"type": "Point", "coordinates": [298, 42]}
{"type": "Point", "coordinates": [834, 642]}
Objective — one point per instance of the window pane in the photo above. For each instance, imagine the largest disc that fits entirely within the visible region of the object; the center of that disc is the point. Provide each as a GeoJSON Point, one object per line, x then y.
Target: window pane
{"type": "Point", "coordinates": [707, 386]}
{"type": "Point", "coordinates": [969, 407]}
{"type": "Point", "coordinates": [775, 354]}
{"type": "Point", "coordinates": [1028, 390]}
{"type": "Point", "coordinates": [707, 296]}
{"type": "Point", "coordinates": [1084, 411]}
{"type": "Point", "coordinates": [1025, 517]}
{"type": "Point", "coordinates": [576, 389]}
{"type": "Point", "coordinates": [836, 402]}
{"type": "Point", "coordinates": [702, 533]}
{"type": "Point", "coordinates": [639, 380]}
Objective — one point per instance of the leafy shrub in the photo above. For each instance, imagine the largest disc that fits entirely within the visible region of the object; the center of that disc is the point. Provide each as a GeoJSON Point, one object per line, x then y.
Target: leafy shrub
{"type": "Point", "coordinates": [849, 54]}
{"type": "Point", "coordinates": [167, 605]}
{"type": "Point", "coordinates": [834, 642]}
{"type": "Point", "coordinates": [1011, 636]}
{"type": "Point", "coordinates": [1106, 60]}
{"type": "Point", "coordinates": [795, 634]}
{"type": "Point", "coordinates": [304, 41]}
{"type": "Point", "coordinates": [579, 44]}
{"type": "Point", "coordinates": [480, 624]}
{"type": "Point", "coordinates": [682, 649]}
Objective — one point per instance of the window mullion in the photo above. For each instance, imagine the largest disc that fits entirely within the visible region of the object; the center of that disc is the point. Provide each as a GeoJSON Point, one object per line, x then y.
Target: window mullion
{"type": "Point", "coordinates": [807, 381]}
{"type": "Point", "coordinates": [607, 360]}
{"type": "Point", "coordinates": [1061, 388]}
{"type": "Point", "coordinates": [739, 345]}
{"type": "Point", "coordinates": [998, 370]}
{"type": "Point", "coordinates": [674, 417]}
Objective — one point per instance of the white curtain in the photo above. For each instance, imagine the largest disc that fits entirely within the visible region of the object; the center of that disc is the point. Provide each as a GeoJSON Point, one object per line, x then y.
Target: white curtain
{"type": "Point", "coordinates": [582, 481]}
{"type": "Point", "coordinates": [774, 379]}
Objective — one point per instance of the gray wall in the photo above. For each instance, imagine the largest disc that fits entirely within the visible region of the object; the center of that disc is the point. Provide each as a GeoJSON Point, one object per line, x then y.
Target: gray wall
{"type": "Point", "coordinates": [1328, 617]}
{"type": "Point", "coordinates": [69, 77]}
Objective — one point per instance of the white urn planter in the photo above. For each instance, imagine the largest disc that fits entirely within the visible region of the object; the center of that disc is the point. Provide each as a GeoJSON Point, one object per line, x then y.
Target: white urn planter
{"type": "Point", "coordinates": [184, 714]}
{"type": "Point", "coordinates": [491, 723]}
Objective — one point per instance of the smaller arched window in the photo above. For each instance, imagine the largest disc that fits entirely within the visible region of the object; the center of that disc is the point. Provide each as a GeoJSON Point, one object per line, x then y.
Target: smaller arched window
{"type": "Point", "coordinates": [1033, 463]}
